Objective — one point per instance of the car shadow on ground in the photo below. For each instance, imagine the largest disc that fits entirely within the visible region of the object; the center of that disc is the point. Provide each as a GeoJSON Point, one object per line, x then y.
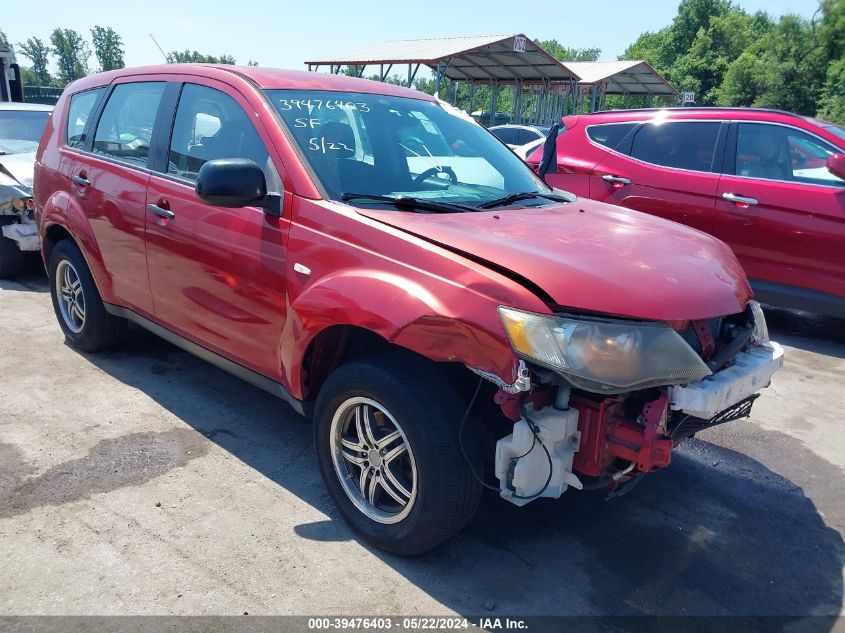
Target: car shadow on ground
{"type": "Point", "coordinates": [807, 330]}
{"type": "Point", "coordinates": [33, 278]}
{"type": "Point", "coordinates": [724, 530]}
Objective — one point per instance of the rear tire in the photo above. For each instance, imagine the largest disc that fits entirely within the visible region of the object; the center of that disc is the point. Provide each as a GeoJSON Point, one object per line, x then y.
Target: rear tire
{"type": "Point", "coordinates": [77, 302]}
{"type": "Point", "coordinates": [12, 260]}
{"type": "Point", "coordinates": [406, 402]}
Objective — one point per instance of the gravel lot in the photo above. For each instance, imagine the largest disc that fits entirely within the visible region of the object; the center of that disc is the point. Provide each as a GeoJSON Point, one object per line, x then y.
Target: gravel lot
{"type": "Point", "coordinates": [144, 481]}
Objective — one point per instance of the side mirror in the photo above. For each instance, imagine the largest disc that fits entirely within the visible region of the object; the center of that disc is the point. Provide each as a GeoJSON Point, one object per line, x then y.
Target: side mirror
{"type": "Point", "coordinates": [549, 161]}
{"type": "Point", "coordinates": [836, 165]}
{"type": "Point", "coordinates": [231, 182]}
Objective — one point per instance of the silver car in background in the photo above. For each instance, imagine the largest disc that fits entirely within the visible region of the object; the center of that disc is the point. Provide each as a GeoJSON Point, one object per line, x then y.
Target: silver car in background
{"type": "Point", "coordinates": [21, 126]}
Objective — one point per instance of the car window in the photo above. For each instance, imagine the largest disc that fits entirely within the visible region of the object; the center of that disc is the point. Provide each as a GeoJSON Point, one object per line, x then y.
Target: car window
{"type": "Point", "coordinates": [682, 145]}
{"type": "Point", "coordinates": [418, 137]}
{"type": "Point", "coordinates": [507, 135]}
{"type": "Point", "coordinates": [209, 125]}
{"type": "Point", "coordinates": [526, 136]}
{"type": "Point", "coordinates": [20, 130]}
{"type": "Point", "coordinates": [777, 152]}
{"type": "Point", "coordinates": [81, 106]}
{"type": "Point", "coordinates": [126, 125]}
{"type": "Point", "coordinates": [835, 129]}
{"type": "Point", "coordinates": [384, 145]}
{"type": "Point", "coordinates": [609, 134]}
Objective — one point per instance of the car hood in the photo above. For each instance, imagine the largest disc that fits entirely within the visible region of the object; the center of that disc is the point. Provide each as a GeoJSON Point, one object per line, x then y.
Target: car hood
{"type": "Point", "coordinates": [19, 166]}
{"type": "Point", "coordinates": [596, 257]}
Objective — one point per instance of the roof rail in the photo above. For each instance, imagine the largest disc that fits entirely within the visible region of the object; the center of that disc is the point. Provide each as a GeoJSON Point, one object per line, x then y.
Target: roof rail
{"type": "Point", "coordinates": [700, 108]}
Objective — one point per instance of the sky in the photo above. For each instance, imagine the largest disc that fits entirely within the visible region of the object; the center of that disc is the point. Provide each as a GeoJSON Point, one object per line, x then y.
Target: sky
{"type": "Point", "coordinates": [283, 34]}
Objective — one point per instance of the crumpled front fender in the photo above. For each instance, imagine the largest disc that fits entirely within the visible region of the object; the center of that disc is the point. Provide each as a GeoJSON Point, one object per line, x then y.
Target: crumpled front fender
{"type": "Point", "coordinates": [442, 322]}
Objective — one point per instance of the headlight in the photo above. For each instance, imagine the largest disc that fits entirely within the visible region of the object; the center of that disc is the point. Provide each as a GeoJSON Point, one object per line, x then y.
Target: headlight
{"type": "Point", "coordinates": [760, 334]}
{"type": "Point", "coordinates": [22, 205]}
{"type": "Point", "coordinates": [604, 355]}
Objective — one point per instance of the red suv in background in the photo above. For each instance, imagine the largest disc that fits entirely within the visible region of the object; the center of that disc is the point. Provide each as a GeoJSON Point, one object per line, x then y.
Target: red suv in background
{"type": "Point", "coordinates": [387, 266]}
{"type": "Point", "coordinates": [770, 184]}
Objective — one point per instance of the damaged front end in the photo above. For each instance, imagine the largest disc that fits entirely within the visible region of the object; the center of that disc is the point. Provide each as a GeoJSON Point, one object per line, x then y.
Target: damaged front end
{"type": "Point", "coordinates": [17, 221]}
{"type": "Point", "coordinates": [609, 399]}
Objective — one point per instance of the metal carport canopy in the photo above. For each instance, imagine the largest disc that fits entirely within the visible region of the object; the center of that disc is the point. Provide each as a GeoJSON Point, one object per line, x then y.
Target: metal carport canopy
{"type": "Point", "coordinates": [623, 77]}
{"type": "Point", "coordinates": [505, 59]}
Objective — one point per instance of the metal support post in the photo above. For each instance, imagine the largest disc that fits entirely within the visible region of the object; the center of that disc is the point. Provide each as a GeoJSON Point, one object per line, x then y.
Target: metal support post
{"type": "Point", "coordinates": [411, 74]}
{"type": "Point", "coordinates": [440, 74]}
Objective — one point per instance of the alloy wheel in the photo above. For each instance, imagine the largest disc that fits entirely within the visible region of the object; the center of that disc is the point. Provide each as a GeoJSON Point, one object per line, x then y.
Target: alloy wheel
{"type": "Point", "coordinates": [70, 296]}
{"type": "Point", "coordinates": [373, 460]}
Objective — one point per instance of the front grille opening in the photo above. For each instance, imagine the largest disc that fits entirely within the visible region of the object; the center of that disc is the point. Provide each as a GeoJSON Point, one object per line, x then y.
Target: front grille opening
{"type": "Point", "coordinates": [682, 425]}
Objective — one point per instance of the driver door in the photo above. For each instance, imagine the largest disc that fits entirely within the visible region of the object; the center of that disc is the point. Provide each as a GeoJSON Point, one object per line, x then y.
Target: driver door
{"type": "Point", "coordinates": [217, 274]}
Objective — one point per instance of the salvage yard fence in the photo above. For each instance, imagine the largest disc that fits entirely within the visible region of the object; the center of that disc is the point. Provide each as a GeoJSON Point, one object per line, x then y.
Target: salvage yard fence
{"type": "Point", "coordinates": [47, 95]}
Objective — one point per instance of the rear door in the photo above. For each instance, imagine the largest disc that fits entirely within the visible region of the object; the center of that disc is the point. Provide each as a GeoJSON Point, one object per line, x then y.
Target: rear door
{"type": "Point", "coordinates": [217, 274]}
{"type": "Point", "coordinates": [664, 168]}
{"type": "Point", "coordinates": [782, 212]}
{"type": "Point", "coordinates": [109, 182]}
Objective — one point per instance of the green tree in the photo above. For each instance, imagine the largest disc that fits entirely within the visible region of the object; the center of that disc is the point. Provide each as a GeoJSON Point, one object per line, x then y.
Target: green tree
{"type": "Point", "coordinates": [693, 15]}
{"type": "Point", "coordinates": [28, 77]}
{"type": "Point", "coordinates": [703, 67]}
{"type": "Point", "coordinates": [651, 47]}
{"type": "Point", "coordinates": [831, 29]}
{"type": "Point", "coordinates": [792, 67]}
{"type": "Point", "coordinates": [108, 47]}
{"type": "Point", "coordinates": [729, 57]}
{"type": "Point", "coordinates": [565, 54]}
{"type": "Point", "coordinates": [71, 52]}
{"type": "Point", "coordinates": [3, 39]}
{"type": "Point", "coordinates": [193, 57]}
{"type": "Point", "coordinates": [742, 81]}
{"type": "Point", "coordinates": [39, 54]}
{"type": "Point", "coordinates": [696, 50]}
{"type": "Point", "coordinates": [832, 101]}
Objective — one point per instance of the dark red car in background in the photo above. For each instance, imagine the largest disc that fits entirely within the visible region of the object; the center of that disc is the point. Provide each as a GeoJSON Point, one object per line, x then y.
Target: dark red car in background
{"type": "Point", "coordinates": [771, 184]}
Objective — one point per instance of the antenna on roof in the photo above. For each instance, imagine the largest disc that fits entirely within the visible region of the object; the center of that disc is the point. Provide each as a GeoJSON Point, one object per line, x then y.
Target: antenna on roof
{"type": "Point", "coordinates": [158, 47]}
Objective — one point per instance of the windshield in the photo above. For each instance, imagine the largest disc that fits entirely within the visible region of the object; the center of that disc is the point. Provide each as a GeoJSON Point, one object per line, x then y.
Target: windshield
{"type": "Point", "coordinates": [400, 147]}
{"type": "Point", "coordinates": [20, 130]}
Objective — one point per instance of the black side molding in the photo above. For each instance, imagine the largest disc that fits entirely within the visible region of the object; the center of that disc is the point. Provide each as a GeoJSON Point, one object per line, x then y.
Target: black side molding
{"type": "Point", "coordinates": [305, 408]}
{"type": "Point", "coordinates": [797, 298]}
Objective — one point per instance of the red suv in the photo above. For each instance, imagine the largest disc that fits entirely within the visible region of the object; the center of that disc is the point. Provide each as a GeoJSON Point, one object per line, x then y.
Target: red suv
{"type": "Point", "coordinates": [770, 184]}
{"type": "Point", "coordinates": [388, 267]}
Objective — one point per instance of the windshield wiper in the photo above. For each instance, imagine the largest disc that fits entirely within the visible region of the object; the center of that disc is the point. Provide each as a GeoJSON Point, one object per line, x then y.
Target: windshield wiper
{"type": "Point", "coordinates": [524, 195]}
{"type": "Point", "coordinates": [409, 202]}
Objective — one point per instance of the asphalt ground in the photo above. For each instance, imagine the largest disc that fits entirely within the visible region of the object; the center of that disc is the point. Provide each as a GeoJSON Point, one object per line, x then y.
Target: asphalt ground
{"type": "Point", "coordinates": [145, 481]}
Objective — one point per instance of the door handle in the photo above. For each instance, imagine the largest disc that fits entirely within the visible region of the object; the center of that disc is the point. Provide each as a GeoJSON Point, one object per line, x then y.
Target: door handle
{"type": "Point", "coordinates": [162, 213]}
{"type": "Point", "coordinates": [616, 181]}
{"type": "Point", "coordinates": [733, 197]}
{"type": "Point", "coordinates": [80, 180]}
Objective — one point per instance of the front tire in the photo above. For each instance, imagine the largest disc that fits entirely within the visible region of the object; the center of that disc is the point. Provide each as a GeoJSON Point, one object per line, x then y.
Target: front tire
{"type": "Point", "coordinates": [386, 436]}
{"type": "Point", "coordinates": [77, 302]}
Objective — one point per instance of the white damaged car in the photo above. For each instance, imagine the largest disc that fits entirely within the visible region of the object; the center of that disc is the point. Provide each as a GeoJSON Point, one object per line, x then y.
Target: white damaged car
{"type": "Point", "coordinates": [21, 126]}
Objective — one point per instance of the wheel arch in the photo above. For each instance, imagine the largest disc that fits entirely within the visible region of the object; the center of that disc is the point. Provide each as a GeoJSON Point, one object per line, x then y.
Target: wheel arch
{"type": "Point", "coordinates": [337, 344]}
{"type": "Point", "coordinates": [437, 320]}
{"type": "Point", "coordinates": [63, 218]}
